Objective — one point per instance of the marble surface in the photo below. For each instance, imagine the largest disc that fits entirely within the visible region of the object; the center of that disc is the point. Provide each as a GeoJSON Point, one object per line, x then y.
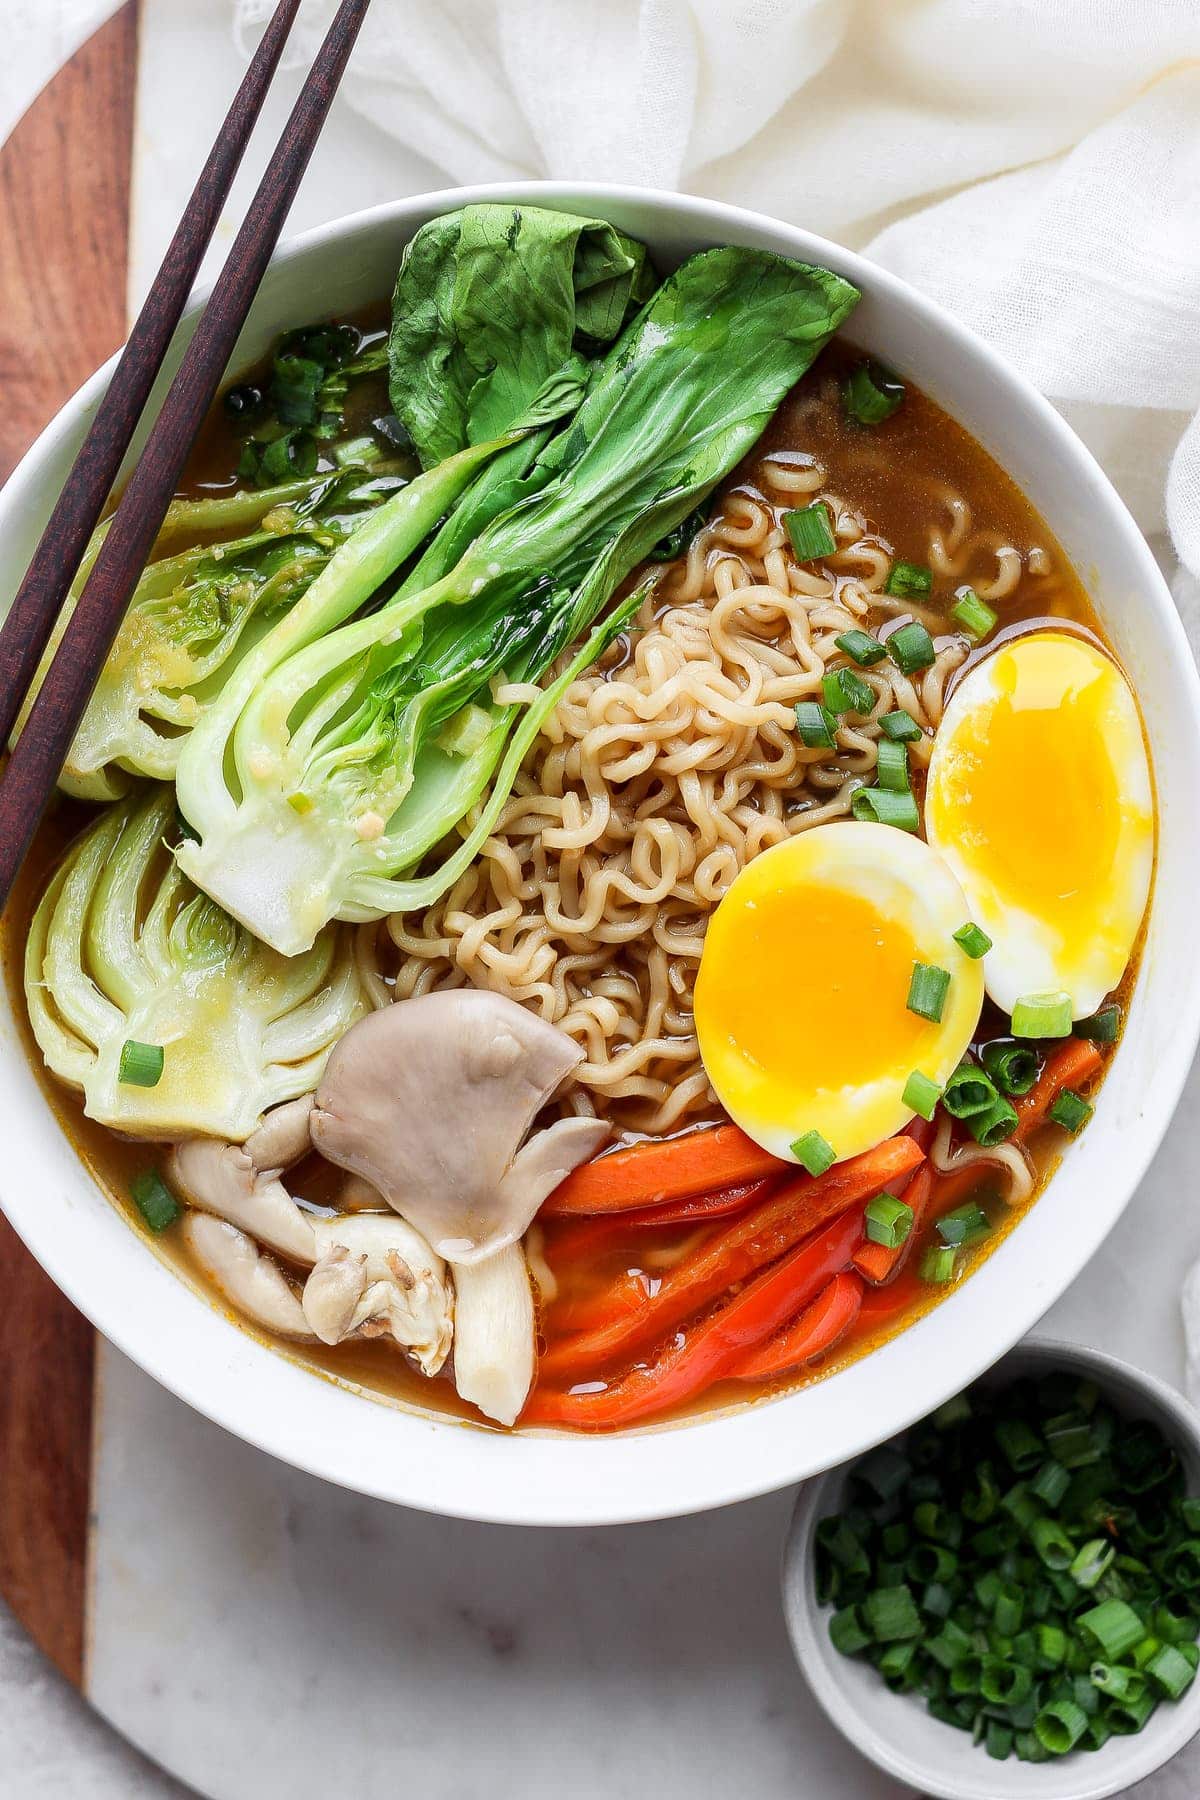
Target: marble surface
{"type": "Point", "coordinates": [265, 1635]}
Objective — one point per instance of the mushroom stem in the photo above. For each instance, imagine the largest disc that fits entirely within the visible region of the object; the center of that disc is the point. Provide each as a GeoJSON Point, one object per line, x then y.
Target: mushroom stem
{"type": "Point", "coordinates": [494, 1343]}
{"type": "Point", "coordinates": [248, 1279]}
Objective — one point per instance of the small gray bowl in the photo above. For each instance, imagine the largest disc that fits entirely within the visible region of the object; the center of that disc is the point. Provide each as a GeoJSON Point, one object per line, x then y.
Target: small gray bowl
{"type": "Point", "coordinates": [894, 1730]}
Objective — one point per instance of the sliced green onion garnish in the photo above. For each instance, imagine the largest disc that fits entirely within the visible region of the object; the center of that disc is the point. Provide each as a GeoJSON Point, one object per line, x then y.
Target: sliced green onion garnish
{"type": "Point", "coordinates": [1013, 1067]}
{"type": "Point", "coordinates": [973, 614]}
{"type": "Point", "coordinates": [844, 691]}
{"type": "Point", "coordinates": [888, 1221]}
{"type": "Point", "coordinates": [1059, 1726]}
{"type": "Point", "coordinates": [927, 991]}
{"type": "Point", "coordinates": [937, 1264]}
{"type": "Point", "coordinates": [141, 1065]}
{"type": "Point", "coordinates": [860, 647]}
{"type": "Point", "coordinates": [882, 807]}
{"type": "Point", "coordinates": [846, 1631]}
{"type": "Point", "coordinates": [973, 940]}
{"type": "Point", "coordinates": [892, 766]}
{"type": "Point", "coordinates": [908, 579]}
{"type": "Point", "coordinates": [1071, 1111]}
{"type": "Point", "coordinates": [1052, 1543]}
{"type": "Point", "coordinates": [1091, 1562]}
{"type": "Point", "coordinates": [153, 1199]}
{"type": "Point", "coordinates": [871, 393]}
{"type": "Point", "coordinates": [968, 1091]}
{"type": "Point", "coordinates": [1045, 1015]}
{"type": "Point", "coordinates": [993, 1126]}
{"type": "Point", "coordinates": [1103, 1026]}
{"type": "Point", "coordinates": [911, 648]}
{"type": "Point", "coordinates": [891, 1614]}
{"type": "Point", "coordinates": [1114, 1626]}
{"type": "Point", "coordinates": [817, 727]}
{"type": "Point", "coordinates": [815, 1152]}
{"type": "Point", "coordinates": [921, 1094]}
{"type": "Point", "coordinates": [1051, 1482]}
{"type": "Point", "coordinates": [900, 725]}
{"type": "Point", "coordinates": [1170, 1672]}
{"type": "Point", "coordinates": [810, 531]}
{"type": "Point", "coordinates": [965, 1225]}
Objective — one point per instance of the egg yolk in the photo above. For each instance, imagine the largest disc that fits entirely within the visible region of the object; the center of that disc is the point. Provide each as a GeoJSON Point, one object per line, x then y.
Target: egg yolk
{"type": "Point", "coordinates": [1030, 789]}
{"type": "Point", "coordinates": [812, 983]}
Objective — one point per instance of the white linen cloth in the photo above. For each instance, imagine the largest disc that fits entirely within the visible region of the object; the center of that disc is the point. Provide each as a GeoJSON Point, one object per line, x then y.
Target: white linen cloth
{"type": "Point", "coordinates": [1033, 166]}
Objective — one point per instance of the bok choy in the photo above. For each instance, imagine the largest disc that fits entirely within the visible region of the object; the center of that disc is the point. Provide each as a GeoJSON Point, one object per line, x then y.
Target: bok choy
{"type": "Point", "coordinates": [341, 754]}
{"type": "Point", "coordinates": [169, 1017]}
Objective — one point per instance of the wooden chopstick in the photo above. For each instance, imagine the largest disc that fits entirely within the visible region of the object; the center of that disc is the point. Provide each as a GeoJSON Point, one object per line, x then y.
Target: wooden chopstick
{"type": "Point", "coordinates": [26, 630]}
{"type": "Point", "coordinates": [53, 719]}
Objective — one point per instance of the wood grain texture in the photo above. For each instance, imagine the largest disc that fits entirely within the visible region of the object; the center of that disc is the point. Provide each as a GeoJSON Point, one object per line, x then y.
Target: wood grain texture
{"type": "Point", "coordinates": [64, 230]}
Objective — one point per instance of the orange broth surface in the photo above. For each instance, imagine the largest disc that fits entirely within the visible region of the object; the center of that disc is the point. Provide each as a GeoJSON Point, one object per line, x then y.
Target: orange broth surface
{"type": "Point", "coordinates": [895, 473]}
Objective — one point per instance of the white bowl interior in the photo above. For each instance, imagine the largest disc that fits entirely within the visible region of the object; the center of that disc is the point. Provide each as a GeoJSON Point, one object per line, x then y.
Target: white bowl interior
{"type": "Point", "coordinates": [895, 1730]}
{"type": "Point", "coordinates": [103, 1265]}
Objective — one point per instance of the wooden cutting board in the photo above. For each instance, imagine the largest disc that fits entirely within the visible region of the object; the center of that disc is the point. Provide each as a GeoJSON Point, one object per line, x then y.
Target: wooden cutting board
{"type": "Point", "coordinates": [64, 229]}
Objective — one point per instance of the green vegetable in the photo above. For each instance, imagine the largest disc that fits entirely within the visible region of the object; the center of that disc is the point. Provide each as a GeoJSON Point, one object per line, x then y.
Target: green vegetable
{"type": "Point", "coordinates": [967, 1092]}
{"type": "Point", "coordinates": [154, 1200]}
{"type": "Point", "coordinates": [810, 533]}
{"type": "Point", "coordinates": [973, 941]}
{"type": "Point", "coordinates": [975, 617]}
{"type": "Point", "coordinates": [195, 614]}
{"type": "Point", "coordinates": [882, 806]}
{"type": "Point", "coordinates": [860, 647]}
{"type": "Point", "coordinates": [816, 725]}
{"type": "Point", "coordinates": [927, 991]}
{"type": "Point", "coordinates": [911, 648]}
{"type": "Point", "coordinates": [815, 1152]}
{"type": "Point", "coordinates": [350, 716]}
{"type": "Point", "coordinates": [887, 1221]}
{"type": "Point", "coordinates": [1015, 1629]}
{"type": "Point", "coordinates": [891, 768]}
{"type": "Point", "coordinates": [1045, 1015]}
{"type": "Point", "coordinates": [844, 691]}
{"type": "Point", "coordinates": [871, 393]}
{"type": "Point", "coordinates": [1013, 1067]}
{"type": "Point", "coordinates": [124, 955]}
{"type": "Point", "coordinates": [899, 725]}
{"type": "Point", "coordinates": [938, 1264]}
{"type": "Point", "coordinates": [921, 1094]}
{"type": "Point", "coordinates": [908, 579]}
{"type": "Point", "coordinates": [1070, 1110]}
{"type": "Point", "coordinates": [1102, 1028]}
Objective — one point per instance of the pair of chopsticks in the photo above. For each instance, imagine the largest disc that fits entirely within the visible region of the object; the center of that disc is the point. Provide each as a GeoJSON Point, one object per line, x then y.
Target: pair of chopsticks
{"type": "Point", "coordinates": [38, 755]}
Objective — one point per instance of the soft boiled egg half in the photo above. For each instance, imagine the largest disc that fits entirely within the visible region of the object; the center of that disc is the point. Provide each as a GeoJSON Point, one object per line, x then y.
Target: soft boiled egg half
{"type": "Point", "coordinates": [802, 998]}
{"type": "Point", "coordinates": [1039, 798]}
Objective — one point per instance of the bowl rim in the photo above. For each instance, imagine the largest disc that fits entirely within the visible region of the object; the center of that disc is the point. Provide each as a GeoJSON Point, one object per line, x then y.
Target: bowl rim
{"type": "Point", "coordinates": [721, 1457]}
{"type": "Point", "coordinates": [803, 1615]}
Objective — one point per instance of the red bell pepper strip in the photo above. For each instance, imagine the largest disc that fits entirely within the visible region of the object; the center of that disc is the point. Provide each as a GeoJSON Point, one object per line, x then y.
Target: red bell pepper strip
{"type": "Point", "coordinates": [816, 1330]}
{"type": "Point", "coordinates": [705, 1353]}
{"type": "Point", "coordinates": [659, 1169]}
{"type": "Point", "coordinates": [753, 1241]}
{"type": "Point", "coordinates": [605, 1232]}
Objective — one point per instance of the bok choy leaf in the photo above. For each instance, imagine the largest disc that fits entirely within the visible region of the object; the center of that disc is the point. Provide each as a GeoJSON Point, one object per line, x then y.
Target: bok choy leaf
{"type": "Point", "coordinates": [319, 792]}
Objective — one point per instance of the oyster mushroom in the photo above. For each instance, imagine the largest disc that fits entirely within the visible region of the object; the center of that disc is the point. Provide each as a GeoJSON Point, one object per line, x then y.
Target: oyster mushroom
{"type": "Point", "coordinates": [283, 1137]}
{"type": "Point", "coordinates": [248, 1279]}
{"type": "Point", "coordinates": [431, 1099]}
{"type": "Point", "coordinates": [225, 1180]}
{"type": "Point", "coordinates": [375, 1275]}
{"type": "Point", "coordinates": [494, 1333]}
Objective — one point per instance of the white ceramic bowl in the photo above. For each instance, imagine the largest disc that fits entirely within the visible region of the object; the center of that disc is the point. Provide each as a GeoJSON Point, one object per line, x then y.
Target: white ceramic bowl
{"type": "Point", "coordinates": [107, 1270]}
{"type": "Point", "coordinates": [895, 1730]}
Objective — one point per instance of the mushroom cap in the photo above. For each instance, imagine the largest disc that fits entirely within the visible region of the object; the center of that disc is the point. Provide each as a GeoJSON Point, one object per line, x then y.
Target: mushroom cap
{"type": "Point", "coordinates": [430, 1100]}
{"type": "Point", "coordinates": [248, 1279]}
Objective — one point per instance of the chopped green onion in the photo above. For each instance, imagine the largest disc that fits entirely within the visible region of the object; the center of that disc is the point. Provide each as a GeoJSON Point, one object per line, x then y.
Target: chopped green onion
{"type": "Point", "coordinates": [815, 1152]}
{"type": "Point", "coordinates": [846, 1631]}
{"type": "Point", "coordinates": [1045, 1015]}
{"type": "Point", "coordinates": [900, 726]}
{"type": "Point", "coordinates": [892, 766]}
{"type": "Point", "coordinates": [993, 1126]}
{"type": "Point", "coordinates": [141, 1065]}
{"type": "Point", "coordinates": [885, 1470]}
{"type": "Point", "coordinates": [890, 1614]}
{"type": "Point", "coordinates": [1022, 1446]}
{"type": "Point", "coordinates": [973, 940]}
{"type": "Point", "coordinates": [845, 691]}
{"type": "Point", "coordinates": [810, 531]}
{"type": "Point", "coordinates": [1052, 1543]}
{"type": "Point", "coordinates": [908, 579]}
{"type": "Point", "coordinates": [1118, 1683]}
{"type": "Point", "coordinates": [921, 1094]}
{"type": "Point", "coordinates": [911, 647]}
{"type": "Point", "coordinates": [965, 1225]}
{"type": "Point", "coordinates": [937, 1264]}
{"type": "Point", "coordinates": [154, 1200]}
{"type": "Point", "coordinates": [888, 1221]}
{"type": "Point", "coordinates": [1114, 1626]}
{"type": "Point", "coordinates": [817, 726]}
{"type": "Point", "coordinates": [998, 1740]}
{"type": "Point", "coordinates": [1129, 1716]}
{"type": "Point", "coordinates": [1059, 1726]}
{"type": "Point", "coordinates": [860, 647]}
{"type": "Point", "coordinates": [880, 806]}
{"type": "Point", "coordinates": [1013, 1067]}
{"type": "Point", "coordinates": [1050, 1484]}
{"type": "Point", "coordinates": [1071, 1111]}
{"type": "Point", "coordinates": [871, 393]}
{"type": "Point", "coordinates": [972, 613]}
{"type": "Point", "coordinates": [968, 1091]}
{"type": "Point", "coordinates": [1103, 1027]}
{"type": "Point", "coordinates": [1170, 1672]}
{"type": "Point", "coordinates": [927, 991]}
